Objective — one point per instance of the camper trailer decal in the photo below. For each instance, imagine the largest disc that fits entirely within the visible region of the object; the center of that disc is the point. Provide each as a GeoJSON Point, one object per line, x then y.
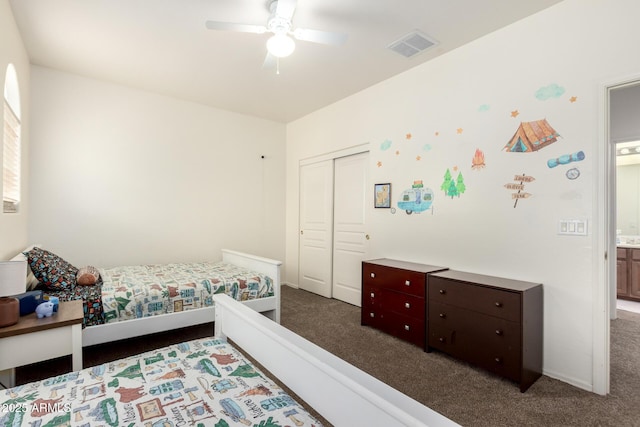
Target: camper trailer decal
{"type": "Point", "coordinates": [416, 199]}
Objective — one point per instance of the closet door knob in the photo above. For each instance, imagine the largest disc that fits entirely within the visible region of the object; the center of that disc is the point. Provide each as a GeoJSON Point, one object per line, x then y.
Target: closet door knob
{"type": "Point", "coordinates": [407, 283]}
{"type": "Point", "coordinates": [407, 305]}
{"type": "Point", "coordinates": [442, 291]}
{"type": "Point", "coordinates": [442, 315]}
{"type": "Point", "coordinates": [406, 327]}
{"type": "Point", "coordinates": [498, 332]}
{"type": "Point", "coordinates": [498, 304]}
{"type": "Point", "coordinates": [373, 275]}
{"type": "Point", "coordinates": [373, 295]}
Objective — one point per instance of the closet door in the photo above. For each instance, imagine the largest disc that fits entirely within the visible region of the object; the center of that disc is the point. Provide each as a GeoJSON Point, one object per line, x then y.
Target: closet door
{"type": "Point", "coordinates": [316, 227]}
{"type": "Point", "coordinates": [352, 196]}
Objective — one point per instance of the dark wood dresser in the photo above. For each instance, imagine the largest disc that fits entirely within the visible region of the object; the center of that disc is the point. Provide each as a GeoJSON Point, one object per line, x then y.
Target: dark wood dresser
{"type": "Point", "coordinates": [491, 322]}
{"type": "Point", "coordinates": [394, 298]}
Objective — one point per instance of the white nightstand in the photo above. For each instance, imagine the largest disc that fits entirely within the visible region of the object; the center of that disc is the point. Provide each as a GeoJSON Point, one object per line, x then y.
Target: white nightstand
{"type": "Point", "coordinates": [34, 340]}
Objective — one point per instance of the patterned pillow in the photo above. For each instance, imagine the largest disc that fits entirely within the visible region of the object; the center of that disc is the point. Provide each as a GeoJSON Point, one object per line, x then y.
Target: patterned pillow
{"type": "Point", "coordinates": [51, 270]}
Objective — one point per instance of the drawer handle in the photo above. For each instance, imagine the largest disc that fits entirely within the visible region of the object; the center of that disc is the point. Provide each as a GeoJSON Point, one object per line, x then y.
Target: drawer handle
{"type": "Point", "coordinates": [498, 304]}
{"type": "Point", "coordinates": [373, 275]}
{"type": "Point", "coordinates": [406, 327]}
{"type": "Point", "coordinates": [442, 339]}
{"type": "Point", "coordinates": [373, 295]}
{"type": "Point", "coordinates": [498, 360]}
{"type": "Point", "coordinates": [442, 315]}
{"type": "Point", "coordinates": [407, 283]}
{"type": "Point", "coordinates": [442, 291]}
{"type": "Point", "coordinates": [407, 305]}
{"type": "Point", "coordinates": [498, 332]}
{"type": "Point", "coordinates": [372, 315]}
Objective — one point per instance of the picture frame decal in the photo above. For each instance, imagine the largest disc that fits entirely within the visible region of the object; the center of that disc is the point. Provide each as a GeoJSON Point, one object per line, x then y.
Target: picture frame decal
{"type": "Point", "coordinates": [382, 195]}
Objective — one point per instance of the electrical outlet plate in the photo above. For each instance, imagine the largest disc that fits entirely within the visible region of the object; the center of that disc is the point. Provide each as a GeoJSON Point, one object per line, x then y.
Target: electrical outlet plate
{"type": "Point", "coordinates": [573, 227]}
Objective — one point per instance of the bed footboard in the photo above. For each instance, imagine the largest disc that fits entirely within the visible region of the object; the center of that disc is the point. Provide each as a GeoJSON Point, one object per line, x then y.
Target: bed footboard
{"type": "Point", "coordinates": [340, 392]}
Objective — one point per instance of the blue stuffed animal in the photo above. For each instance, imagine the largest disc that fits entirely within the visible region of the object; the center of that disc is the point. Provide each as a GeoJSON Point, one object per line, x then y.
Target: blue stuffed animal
{"type": "Point", "coordinates": [44, 310]}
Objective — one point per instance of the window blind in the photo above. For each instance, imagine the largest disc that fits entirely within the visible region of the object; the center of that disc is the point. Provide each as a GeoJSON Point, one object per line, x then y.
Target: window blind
{"type": "Point", "coordinates": [11, 161]}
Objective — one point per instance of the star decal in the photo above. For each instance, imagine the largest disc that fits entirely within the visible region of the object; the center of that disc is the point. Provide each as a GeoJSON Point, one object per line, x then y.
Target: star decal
{"type": "Point", "coordinates": [573, 99]}
{"type": "Point", "coordinates": [437, 133]}
{"type": "Point", "coordinates": [455, 168]}
{"type": "Point", "coordinates": [418, 158]}
{"type": "Point", "coordinates": [408, 136]}
{"type": "Point", "coordinates": [459, 131]}
{"type": "Point", "coordinates": [379, 164]}
{"type": "Point", "coordinates": [515, 113]}
{"type": "Point", "coordinates": [397, 152]}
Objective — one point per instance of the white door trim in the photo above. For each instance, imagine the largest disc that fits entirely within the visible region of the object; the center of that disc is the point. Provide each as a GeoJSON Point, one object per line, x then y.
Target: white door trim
{"type": "Point", "coordinates": [604, 268]}
{"type": "Point", "coordinates": [332, 155]}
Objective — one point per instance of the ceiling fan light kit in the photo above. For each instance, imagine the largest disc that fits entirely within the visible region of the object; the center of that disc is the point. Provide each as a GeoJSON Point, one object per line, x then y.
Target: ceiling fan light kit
{"type": "Point", "coordinates": [280, 45]}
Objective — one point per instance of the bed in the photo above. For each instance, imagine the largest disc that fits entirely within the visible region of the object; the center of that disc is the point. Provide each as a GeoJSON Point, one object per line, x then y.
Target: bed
{"type": "Point", "coordinates": [181, 385]}
{"type": "Point", "coordinates": [96, 331]}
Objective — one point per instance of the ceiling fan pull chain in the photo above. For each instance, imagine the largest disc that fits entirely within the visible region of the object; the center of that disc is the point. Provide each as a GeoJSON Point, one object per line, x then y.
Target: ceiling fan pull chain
{"type": "Point", "coordinates": [277, 65]}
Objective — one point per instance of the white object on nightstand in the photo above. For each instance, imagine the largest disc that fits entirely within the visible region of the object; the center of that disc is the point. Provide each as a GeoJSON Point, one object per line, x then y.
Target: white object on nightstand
{"type": "Point", "coordinates": [34, 340]}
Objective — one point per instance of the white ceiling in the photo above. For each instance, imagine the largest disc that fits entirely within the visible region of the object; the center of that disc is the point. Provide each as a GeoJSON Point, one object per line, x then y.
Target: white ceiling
{"type": "Point", "coordinates": [164, 47]}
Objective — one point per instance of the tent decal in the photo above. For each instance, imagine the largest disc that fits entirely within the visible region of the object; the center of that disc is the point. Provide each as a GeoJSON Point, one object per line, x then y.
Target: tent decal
{"type": "Point", "coordinates": [532, 136]}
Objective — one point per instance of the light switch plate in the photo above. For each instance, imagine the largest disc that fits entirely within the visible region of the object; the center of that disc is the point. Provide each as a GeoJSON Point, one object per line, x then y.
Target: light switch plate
{"type": "Point", "coordinates": [572, 227]}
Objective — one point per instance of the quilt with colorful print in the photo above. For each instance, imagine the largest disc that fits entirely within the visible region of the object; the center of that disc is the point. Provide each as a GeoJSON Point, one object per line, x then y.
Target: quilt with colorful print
{"type": "Point", "coordinates": [147, 290]}
{"type": "Point", "coordinates": [205, 382]}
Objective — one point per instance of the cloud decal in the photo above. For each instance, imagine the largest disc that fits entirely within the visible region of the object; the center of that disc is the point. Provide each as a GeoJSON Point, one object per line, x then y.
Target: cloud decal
{"type": "Point", "coordinates": [550, 91]}
{"type": "Point", "coordinates": [385, 145]}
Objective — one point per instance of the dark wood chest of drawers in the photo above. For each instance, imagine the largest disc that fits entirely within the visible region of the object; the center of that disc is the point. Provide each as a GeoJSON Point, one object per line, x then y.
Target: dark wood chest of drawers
{"type": "Point", "coordinates": [394, 298]}
{"type": "Point", "coordinates": [491, 322]}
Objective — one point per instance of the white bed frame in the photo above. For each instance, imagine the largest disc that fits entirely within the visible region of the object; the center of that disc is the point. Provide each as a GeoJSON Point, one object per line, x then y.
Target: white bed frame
{"type": "Point", "coordinates": [270, 306]}
{"type": "Point", "coordinates": [340, 392]}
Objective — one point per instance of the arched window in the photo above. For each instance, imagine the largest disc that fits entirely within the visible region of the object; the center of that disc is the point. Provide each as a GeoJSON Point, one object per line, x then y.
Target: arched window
{"type": "Point", "coordinates": [11, 143]}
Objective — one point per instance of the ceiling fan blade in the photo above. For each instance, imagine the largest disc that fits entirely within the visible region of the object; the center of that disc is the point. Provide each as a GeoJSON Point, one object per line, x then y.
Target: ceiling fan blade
{"type": "Point", "coordinates": [286, 8]}
{"type": "Point", "coordinates": [317, 36]}
{"type": "Point", "coordinates": [231, 26]}
{"type": "Point", "coordinates": [269, 61]}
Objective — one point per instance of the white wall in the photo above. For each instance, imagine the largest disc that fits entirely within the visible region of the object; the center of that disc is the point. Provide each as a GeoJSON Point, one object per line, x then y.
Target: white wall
{"type": "Point", "coordinates": [578, 45]}
{"type": "Point", "coordinates": [122, 176]}
{"type": "Point", "coordinates": [13, 227]}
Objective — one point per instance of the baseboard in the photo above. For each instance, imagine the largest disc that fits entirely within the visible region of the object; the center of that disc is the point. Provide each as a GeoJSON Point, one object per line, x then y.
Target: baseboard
{"type": "Point", "coordinates": [291, 285]}
{"type": "Point", "coordinates": [569, 380]}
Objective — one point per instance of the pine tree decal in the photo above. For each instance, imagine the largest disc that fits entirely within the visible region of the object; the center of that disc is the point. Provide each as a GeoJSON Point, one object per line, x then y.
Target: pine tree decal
{"type": "Point", "coordinates": [460, 184]}
{"type": "Point", "coordinates": [447, 179]}
{"type": "Point", "coordinates": [453, 190]}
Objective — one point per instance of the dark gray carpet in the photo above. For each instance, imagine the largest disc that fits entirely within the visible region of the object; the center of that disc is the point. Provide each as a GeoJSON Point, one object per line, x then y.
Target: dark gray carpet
{"type": "Point", "coordinates": [461, 392]}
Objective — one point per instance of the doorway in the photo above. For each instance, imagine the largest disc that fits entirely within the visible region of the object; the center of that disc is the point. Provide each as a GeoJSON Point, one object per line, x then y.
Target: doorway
{"type": "Point", "coordinates": [605, 231]}
{"type": "Point", "coordinates": [333, 237]}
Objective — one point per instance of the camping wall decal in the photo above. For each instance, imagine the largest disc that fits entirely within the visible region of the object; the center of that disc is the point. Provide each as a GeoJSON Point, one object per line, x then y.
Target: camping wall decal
{"type": "Point", "coordinates": [566, 159]}
{"type": "Point", "coordinates": [416, 199]}
{"type": "Point", "coordinates": [477, 162]}
{"type": "Point", "coordinates": [520, 180]}
{"type": "Point", "coordinates": [453, 187]}
{"type": "Point", "coordinates": [532, 136]}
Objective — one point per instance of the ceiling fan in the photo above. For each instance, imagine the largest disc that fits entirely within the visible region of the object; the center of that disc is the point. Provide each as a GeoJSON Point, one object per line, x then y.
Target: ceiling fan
{"type": "Point", "coordinates": [281, 44]}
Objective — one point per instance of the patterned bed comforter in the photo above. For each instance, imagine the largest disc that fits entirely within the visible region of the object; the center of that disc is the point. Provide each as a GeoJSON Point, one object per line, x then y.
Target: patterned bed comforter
{"type": "Point", "coordinates": [147, 290]}
{"type": "Point", "coordinates": [205, 382]}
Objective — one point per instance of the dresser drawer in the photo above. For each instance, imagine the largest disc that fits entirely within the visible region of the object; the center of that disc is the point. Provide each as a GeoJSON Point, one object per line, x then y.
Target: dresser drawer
{"type": "Point", "coordinates": [410, 282]}
{"type": "Point", "coordinates": [494, 302]}
{"type": "Point", "coordinates": [487, 331]}
{"type": "Point", "coordinates": [403, 327]}
{"type": "Point", "coordinates": [405, 304]}
{"type": "Point", "coordinates": [460, 343]}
